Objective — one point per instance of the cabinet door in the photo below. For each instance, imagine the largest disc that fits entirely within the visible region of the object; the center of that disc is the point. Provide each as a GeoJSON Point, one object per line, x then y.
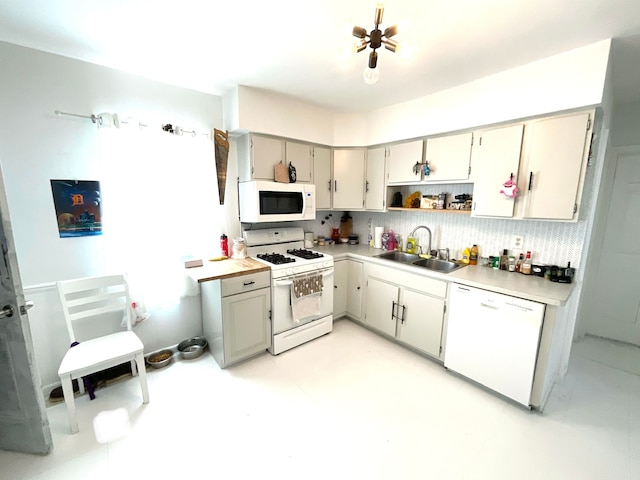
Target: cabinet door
{"type": "Point", "coordinates": [340, 282]}
{"type": "Point", "coordinates": [348, 179]}
{"type": "Point", "coordinates": [422, 323]}
{"type": "Point", "coordinates": [382, 298]}
{"type": "Point", "coordinates": [374, 192]}
{"type": "Point", "coordinates": [449, 157]}
{"type": "Point", "coordinates": [555, 153]}
{"type": "Point", "coordinates": [300, 155]}
{"type": "Point", "coordinates": [354, 289]}
{"type": "Point", "coordinates": [495, 157]}
{"type": "Point", "coordinates": [266, 152]}
{"type": "Point", "coordinates": [246, 325]}
{"type": "Point", "coordinates": [402, 159]}
{"type": "Point", "coordinates": [322, 177]}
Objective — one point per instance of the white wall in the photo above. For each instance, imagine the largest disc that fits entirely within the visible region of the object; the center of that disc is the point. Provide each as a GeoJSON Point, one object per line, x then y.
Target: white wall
{"type": "Point", "coordinates": [626, 125]}
{"type": "Point", "coordinates": [36, 146]}
{"type": "Point", "coordinates": [566, 81]}
{"type": "Point", "coordinates": [265, 112]}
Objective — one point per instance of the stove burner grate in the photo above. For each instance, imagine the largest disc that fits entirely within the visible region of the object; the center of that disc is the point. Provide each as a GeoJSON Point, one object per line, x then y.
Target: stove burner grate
{"type": "Point", "coordinates": [275, 258]}
{"type": "Point", "coordinates": [306, 254]}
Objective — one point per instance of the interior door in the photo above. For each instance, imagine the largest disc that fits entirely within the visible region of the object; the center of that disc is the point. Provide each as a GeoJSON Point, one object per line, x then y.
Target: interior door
{"type": "Point", "coordinates": [612, 308]}
{"type": "Point", "coordinates": [24, 425]}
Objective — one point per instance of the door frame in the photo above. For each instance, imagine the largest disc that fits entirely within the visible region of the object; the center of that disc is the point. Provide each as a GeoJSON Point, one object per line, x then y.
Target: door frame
{"type": "Point", "coordinates": [601, 216]}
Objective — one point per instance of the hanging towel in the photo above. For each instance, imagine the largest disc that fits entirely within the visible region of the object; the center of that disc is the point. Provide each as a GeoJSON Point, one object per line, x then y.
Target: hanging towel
{"type": "Point", "coordinates": [306, 295]}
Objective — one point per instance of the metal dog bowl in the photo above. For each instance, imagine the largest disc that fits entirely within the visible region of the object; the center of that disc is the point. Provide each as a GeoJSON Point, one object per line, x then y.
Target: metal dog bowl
{"type": "Point", "coordinates": [160, 359]}
{"type": "Point", "coordinates": [192, 348]}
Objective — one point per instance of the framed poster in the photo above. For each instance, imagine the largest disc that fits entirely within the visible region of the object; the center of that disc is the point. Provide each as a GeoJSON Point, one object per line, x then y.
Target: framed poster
{"type": "Point", "coordinates": [78, 207]}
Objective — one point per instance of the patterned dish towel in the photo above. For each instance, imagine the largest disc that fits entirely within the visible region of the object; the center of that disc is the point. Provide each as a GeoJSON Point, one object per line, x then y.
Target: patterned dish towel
{"type": "Point", "coordinates": [306, 296]}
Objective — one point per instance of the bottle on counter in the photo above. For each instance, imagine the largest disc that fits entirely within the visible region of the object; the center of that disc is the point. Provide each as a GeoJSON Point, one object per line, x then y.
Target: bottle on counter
{"type": "Point", "coordinates": [473, 257]}
{"type": "Point", "coordinates": [526, 265]}
{"type": "Point", "coordinates": [495, 262]}
{"type": "Point", "coordinates": [512, 263]}
{"type": "Point", "coordinates": [504, 260]}
{"type": "Point", "coordinates": [224, 245]}
{"type": "Point", "coordinates": [391, 244]}
{"type": "Point", "coordinates": [519, 263]}
{"type": "Point", "coordinates": [466, 254]}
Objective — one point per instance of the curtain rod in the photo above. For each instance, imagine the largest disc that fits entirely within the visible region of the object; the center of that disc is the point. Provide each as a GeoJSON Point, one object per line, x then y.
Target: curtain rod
{"type": "Point", "coordinates": [92, 117]}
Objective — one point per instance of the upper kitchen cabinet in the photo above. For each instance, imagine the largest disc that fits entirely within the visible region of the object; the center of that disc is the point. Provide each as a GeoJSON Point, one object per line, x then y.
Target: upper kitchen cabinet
{"type": "Point", "coordinates": [258, 156]}
{"type": "Point", "coordinates": [402, 160]}
{"type": "Point", "coordinates": [554, 164]}
{"type": "Point", "coordinates": [448, 157]}
{"type": "Point", "coordinates": [348, 179]}
{"type": "Point", "coordinates": [322, 177]}
{"type": "Point", "coordinates": [374, 191]}
{"type": "Point", "coordinates": [495, 158]}
{"type": "Point", "coordinates": [300, 155]}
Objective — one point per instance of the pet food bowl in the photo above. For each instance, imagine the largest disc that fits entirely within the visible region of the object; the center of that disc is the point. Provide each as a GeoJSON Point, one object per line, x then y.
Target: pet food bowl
{"type": "Point", "coordinates": [192, 348]}
{"type": "Point", "coordinates": [160, 359]}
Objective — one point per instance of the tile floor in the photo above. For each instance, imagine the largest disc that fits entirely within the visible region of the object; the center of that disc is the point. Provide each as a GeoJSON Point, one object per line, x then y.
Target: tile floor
{"type": "Point", "coordinates": [350, 405]}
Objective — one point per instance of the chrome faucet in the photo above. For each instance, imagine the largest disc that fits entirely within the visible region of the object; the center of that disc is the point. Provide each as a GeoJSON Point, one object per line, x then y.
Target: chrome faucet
{"type": "Point", "coordinates": [427, 229]}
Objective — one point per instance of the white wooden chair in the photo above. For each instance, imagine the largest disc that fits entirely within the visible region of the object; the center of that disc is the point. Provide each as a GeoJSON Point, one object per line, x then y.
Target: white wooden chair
{"type": "Point", "coordinates": [91, 297]}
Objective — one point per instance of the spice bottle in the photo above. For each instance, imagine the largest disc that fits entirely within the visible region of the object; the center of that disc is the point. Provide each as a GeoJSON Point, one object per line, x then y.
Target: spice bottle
{"type": "Point", "coordinates": [224, 245]}
{"type": "Point", "coordinates": [519, 263]}
{"type": "Point", "coordinates": [504, 260]}
{"type": "Point", "coordinates": [526, 265]}
{"type": "Point", "coordinates": [512, 263]}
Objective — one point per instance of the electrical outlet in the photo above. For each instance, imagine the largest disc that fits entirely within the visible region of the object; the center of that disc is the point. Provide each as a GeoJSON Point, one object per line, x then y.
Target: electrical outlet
{"type": "Point", "coordinates": [517, 242]}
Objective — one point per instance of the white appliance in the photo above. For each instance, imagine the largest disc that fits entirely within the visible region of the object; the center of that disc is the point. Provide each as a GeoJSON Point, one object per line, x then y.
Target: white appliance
{"type": "Point", "coordinates": [263, 201]}
{"type": "Point", "coordinates": [493, 339]}
{"type": "Point", "coordinates": [282, 249]}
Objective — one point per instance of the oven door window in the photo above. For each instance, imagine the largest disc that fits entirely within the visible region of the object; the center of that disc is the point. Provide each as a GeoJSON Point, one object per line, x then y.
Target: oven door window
{"type": "Point", "coordinates": [280, 203]}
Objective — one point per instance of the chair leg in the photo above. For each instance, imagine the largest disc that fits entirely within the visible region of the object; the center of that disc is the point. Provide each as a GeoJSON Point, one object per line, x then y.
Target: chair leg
{"type": "Point", "coordinates": [134, 370]}
{"type": "Point", "coordinates": [142, 373]}
{"type": "Point", "coordinates": [67, 391]}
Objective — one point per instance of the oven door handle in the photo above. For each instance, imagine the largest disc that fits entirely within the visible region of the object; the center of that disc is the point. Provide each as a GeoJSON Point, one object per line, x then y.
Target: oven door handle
{"type": "Point", "coordinates": [289, 280]}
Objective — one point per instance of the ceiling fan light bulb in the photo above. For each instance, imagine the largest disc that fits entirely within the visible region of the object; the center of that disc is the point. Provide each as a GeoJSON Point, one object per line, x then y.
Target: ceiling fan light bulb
{"type": "Point", "coordinates": [371, 75]}
{"type": "Point", "coordinates": [359, 46]}
{"type": "Point", "coordinates": [373, 59]}
{"type": "Point", "coordinates": [359, 32]}
{"type": "Point", "coordinates": [391, 31]}
{"type": "Point", "coordinates": [379, 12]}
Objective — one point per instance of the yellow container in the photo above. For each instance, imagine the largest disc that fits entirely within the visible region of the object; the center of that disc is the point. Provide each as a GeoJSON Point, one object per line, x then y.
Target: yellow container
{"type": "Point", "coordinates": [466, 254]}
{"type": "Point", "coordinates": [411, 245]}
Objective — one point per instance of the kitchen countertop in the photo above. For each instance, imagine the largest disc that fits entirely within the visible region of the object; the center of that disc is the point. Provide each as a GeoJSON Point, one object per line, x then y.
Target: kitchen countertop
{"type": "Point", "coordinates": [225, 269]}
{"type": "Point", "coordinates": [529, 287]}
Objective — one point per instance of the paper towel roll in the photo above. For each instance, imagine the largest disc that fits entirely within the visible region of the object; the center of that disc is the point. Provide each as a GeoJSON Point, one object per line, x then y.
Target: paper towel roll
{"type": "Point", "coordinates": [377, 237]}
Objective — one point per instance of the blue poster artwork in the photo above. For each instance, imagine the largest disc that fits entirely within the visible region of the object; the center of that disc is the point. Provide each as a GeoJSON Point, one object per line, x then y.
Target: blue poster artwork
{"type": "Point", "coordinates": [78, 207]}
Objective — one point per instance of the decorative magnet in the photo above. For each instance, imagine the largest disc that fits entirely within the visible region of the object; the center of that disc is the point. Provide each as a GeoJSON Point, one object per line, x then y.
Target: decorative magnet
{"type": "Point", "coordinates": [509, 188]}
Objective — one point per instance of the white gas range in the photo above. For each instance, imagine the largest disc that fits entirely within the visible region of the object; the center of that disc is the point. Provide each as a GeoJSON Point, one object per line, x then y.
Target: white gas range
{"type": "Point", "coordinates": [301, 285]}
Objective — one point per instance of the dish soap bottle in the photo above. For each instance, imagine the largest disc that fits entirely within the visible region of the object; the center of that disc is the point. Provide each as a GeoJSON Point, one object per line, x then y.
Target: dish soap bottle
{"type": "Point", "coordinates": [466, 254]}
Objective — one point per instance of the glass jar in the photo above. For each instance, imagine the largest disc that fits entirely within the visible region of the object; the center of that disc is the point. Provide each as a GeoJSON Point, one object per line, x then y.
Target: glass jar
{"type": "Point", "coordinates": [239, 249]}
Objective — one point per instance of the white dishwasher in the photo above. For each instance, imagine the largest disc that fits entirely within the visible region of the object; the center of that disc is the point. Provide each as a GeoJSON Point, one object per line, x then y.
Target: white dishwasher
{"type": "Point", "coordinates": [493, 339]}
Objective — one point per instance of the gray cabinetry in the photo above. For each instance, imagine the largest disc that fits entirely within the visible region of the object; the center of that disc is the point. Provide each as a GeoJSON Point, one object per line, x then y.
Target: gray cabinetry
{"type": "Point", "coordinates": [236, 316]}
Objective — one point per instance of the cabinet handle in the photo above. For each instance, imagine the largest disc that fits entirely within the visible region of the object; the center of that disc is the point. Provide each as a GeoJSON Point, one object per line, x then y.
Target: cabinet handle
{"type": "Point", "coordinates": [246, 284]}
{"type": "Point", "coordinates": [530, 180]}
{"type": "Point", "coordinates": [335, 286]}
{"type": "Point", "coordinates": [335, 187]}
{"type": "Point", "coordinates": [358, 288]}
{"type": "Point", "coordinates": [403, 311]}
{"type": "Point", "coordinates": [367, 186]}
{"type": "Point", "coordinates": [329, 185]}
{"type": "Point", "coordinates": [393, 307]}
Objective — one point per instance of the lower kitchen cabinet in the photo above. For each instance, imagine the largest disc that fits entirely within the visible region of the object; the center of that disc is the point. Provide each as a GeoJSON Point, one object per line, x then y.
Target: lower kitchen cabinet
{"type": "Point", "coordinates": [347, 284]}
{"type": "Point", "coordinates": [236, 316]}
{"type": "Point", "coordinates": [406, 306]}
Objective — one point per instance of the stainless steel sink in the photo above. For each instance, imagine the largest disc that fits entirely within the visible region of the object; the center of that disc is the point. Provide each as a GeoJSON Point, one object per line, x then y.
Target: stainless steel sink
{"type": "Point", "coordinates": [443, 266]}
{"type": "Point", "coordinates": [399, 257]}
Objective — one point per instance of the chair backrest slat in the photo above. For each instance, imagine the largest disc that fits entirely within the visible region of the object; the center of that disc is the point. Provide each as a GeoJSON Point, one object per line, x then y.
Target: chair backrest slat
{"type": "Point", "coordinates": [92, 296]}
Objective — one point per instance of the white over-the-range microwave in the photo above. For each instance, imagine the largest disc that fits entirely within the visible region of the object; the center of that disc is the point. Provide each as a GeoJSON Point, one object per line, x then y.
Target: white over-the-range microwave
{"type": "Point", "coordinates": [264, 201]}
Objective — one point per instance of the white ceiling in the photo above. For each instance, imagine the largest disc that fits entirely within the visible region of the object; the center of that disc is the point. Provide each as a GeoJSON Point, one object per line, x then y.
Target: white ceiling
{"type": "Point", "coordinates": [292, 46]}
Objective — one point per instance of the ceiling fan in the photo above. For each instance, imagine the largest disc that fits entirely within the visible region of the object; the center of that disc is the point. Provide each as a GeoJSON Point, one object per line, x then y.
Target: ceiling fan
{"type": "Point", "coordinates": [375, 39]}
